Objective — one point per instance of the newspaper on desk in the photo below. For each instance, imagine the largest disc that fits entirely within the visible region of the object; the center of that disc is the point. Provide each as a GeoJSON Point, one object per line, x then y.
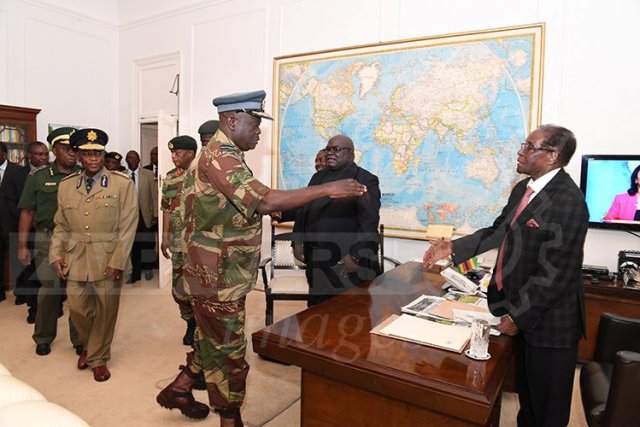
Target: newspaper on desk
{"type": "Point", "coordinates": [453, 308]}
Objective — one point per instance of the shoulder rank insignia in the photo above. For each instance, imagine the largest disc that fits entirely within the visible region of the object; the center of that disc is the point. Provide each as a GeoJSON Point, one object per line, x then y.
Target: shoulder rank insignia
{"type": "Point", "coordinates": [79, 182]}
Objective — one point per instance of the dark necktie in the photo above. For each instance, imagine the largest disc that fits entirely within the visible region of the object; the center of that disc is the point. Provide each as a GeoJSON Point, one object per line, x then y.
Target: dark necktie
{"type": "Point", "coordinates": [133, 177]}
{"type": "Point", "coordinates": [89, 184]}
{"type": "Point", "coordinates": [523, 204]}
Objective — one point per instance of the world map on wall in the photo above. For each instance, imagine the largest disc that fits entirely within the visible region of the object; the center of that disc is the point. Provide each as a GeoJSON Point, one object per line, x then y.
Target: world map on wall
{"type": "Point", "coordinates": [439, 121]}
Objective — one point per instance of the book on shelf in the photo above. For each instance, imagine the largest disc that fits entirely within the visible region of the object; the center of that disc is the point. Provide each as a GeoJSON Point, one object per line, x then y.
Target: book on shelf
{"type": "Point", "coordinates": [425, 332]}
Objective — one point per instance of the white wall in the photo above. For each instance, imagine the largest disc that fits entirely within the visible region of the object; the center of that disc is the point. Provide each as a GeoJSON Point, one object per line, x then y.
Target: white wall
{"type": "Point", "coordinates": [590, 75]}
{"type": "Point", "coordinates": [62, 63]}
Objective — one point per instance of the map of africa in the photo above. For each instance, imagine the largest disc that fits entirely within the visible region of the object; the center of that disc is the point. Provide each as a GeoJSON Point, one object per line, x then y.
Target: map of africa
{"type": "Point", "coordinates": [439, 121]}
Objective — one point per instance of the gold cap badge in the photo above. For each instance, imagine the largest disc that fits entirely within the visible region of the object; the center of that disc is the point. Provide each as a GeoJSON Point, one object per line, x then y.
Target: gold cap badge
{"type": "Point", "coordinates": [92, 136]}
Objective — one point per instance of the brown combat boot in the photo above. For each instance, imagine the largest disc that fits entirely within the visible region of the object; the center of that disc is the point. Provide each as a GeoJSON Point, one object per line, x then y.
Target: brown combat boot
{"type": "Point", "coordinates": [230, 417]}
{"type": "Point", "coordinates": [178, 395]}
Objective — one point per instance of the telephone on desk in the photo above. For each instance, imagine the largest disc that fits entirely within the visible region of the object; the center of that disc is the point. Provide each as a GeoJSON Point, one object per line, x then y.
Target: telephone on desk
{"type": "Point", "coordinates": [459, 281]}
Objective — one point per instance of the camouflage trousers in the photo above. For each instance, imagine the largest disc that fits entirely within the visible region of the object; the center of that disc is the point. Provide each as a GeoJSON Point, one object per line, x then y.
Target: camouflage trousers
{"type": "Point", "coordinates": [219, 350]}
{"type": "Point", "coordinates": [177, 286]}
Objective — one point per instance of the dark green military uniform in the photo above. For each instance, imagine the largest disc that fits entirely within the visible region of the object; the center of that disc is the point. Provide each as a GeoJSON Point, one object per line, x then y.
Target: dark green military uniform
{"type": "Point", "coordinates": [170, 202]}
{"type": "Point", "coordinates": [40, 195]}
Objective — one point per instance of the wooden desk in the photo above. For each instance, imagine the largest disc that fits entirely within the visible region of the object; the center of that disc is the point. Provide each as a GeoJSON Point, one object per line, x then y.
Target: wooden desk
{"type": "Point", "coordinates": [351, 377]}
{"type": "Point", "coordinates": [606, 296]}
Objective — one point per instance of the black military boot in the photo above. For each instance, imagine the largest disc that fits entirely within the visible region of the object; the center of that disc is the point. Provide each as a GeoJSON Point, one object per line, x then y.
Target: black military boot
{"type": "Point", "coordinates": [178, 395]}
{"type": "Point", "coordinates": [188, 335]}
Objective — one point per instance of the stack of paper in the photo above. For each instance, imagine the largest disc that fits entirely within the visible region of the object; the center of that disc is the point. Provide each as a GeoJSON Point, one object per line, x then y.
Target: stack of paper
{"type": "Point", "coordinates": [425, 332]}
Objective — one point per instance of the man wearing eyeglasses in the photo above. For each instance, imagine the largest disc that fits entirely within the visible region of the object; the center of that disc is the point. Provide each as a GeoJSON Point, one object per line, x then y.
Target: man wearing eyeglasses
{"type": "Point", "coordinates": [536, 285]}
{"type": "Point", "coordinates": [337, 239]}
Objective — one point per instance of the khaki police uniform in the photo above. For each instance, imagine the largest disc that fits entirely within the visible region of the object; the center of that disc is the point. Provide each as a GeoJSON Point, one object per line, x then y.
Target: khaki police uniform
{"type": "Point", "coordinates": [94, 230]}
{"type": "Point", "coordinates": [40, 195]}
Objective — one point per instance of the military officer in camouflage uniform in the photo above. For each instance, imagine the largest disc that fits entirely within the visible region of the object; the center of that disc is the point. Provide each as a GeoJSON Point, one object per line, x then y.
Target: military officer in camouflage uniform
{"type": "Point", "coordinates": [38, 204]}
{"type": "Point", "coordinates": [95, 226]}
{"type": "Point", "coordinates": [183, 151]}
{"type": "Point", "coordinates": [224, 205]}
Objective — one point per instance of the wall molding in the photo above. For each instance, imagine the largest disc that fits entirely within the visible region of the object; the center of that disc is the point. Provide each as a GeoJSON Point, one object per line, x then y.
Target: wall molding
{"type": "Point", "coordinates": [71, 14]}
{"type": "Point", "coordinates": [204, 4]}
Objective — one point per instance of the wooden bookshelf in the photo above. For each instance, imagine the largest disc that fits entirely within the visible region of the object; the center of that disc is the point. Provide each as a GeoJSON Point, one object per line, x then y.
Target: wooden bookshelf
{"type": "Point", "coordinates": [17, 129]}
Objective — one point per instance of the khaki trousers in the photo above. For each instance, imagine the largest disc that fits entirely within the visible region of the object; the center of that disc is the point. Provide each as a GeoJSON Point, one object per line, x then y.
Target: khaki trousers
{"type": "Point", "coordinates": [93, 308]}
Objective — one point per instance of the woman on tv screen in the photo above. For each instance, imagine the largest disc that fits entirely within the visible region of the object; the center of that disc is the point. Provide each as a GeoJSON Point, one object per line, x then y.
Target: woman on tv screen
{"type": "Point", "coordinates": [625, 206]}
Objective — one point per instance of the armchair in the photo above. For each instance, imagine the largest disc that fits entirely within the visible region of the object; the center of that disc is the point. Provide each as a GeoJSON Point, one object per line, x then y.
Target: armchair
{"type": "Point", "coordinates": [610, 384]}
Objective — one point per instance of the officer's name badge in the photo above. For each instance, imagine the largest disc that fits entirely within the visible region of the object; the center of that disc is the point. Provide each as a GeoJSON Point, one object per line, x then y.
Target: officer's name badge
{"type": "Point", "coordinates": [50, 184]}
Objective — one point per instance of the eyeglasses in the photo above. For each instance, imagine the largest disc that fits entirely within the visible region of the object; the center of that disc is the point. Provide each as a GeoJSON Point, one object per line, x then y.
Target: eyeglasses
{"type": "Point", "coordinates": [336, 149]}
{"type": "Point", "coordinates": [528, 148]}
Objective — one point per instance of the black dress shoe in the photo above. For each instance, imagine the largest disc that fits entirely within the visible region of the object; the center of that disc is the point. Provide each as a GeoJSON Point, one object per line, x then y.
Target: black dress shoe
{"type": "Point", "coordinates": [43, 349]}
{"type": "Point", "coordinates": [148, 275]}
{"type": "Point", "coordinates": [79, 349]}
{"type": "Point", "coordinates": [31, 317]}
{"type": "Point", "coordinates": [131, 280]}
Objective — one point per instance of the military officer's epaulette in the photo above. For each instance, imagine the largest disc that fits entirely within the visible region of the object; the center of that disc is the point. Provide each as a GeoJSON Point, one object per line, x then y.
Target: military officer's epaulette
{"type": "Point", "coordinates": [228, 147]}
{"type": "Point", "coordinates": [72, 175]}
{"type": "Point", "coordinates": [39, 168]}
{"type": "Point", "coordinates": [122, 174]}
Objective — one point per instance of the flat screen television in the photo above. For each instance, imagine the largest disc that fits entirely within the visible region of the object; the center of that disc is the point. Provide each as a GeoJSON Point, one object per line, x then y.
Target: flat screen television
{"type": "Point", "coordinates": [602, 178]}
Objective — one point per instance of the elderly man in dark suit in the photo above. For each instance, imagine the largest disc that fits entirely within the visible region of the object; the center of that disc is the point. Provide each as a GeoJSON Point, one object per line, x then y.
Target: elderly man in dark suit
{"type": "Point", "coordinates": [13, 181]}
{"type": "Point", "coordinates": [337, 238]}
{"type": "Point", "coordinates": [537, 282]}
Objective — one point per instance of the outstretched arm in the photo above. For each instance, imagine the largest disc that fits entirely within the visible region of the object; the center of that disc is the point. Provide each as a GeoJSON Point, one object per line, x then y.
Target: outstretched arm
{"type": "Point", "coordinates": [279, 200]}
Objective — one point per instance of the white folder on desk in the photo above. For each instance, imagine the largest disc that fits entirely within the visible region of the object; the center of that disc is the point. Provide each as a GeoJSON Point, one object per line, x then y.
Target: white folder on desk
{"type": "Point", "coordinates": [425, 332]}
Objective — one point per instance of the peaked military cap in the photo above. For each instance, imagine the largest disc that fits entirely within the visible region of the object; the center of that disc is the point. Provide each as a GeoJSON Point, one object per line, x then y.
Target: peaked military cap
{"type": "Point", "coordinates": [113, 155]}
{"type": "Point", "coordinates": [248, 102]}
{"type": "Point", "coordinates": [210, 126]}
{"type": "Point", "coordinates": [183, 142]}
{"type": "Point", "coordinates": [60, 135]}
{"type": "Point", "coordinates": [89, 139]}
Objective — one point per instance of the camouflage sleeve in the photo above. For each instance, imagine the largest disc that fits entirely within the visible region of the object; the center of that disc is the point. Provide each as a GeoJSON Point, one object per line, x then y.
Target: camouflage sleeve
{"type": "Point", "coordinates": [28, 196]}
{"type": "Point", "coordinates": [168, 193]}
{"type": "Point", "coordinates": [233, 179]}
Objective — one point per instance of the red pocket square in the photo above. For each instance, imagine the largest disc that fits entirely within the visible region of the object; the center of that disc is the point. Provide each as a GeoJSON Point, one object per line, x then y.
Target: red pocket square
{"type": "Point", "coordinates": [532, 223]}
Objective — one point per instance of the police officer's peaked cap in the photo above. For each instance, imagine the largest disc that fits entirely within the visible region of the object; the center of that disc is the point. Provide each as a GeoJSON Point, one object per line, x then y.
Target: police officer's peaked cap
{"type": "Point", "coordinates": [60, 135]}
{"type": "Point", "coordinates": [113, 155]}
{"type": "Point", "coordinates": [183, 142]}
{"type": "Point", "coordinates": [89, 139]}
{"type": "Point", "coordinates": [248, 102]}
{"type": "Point", "coordinates": [208, 127]}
